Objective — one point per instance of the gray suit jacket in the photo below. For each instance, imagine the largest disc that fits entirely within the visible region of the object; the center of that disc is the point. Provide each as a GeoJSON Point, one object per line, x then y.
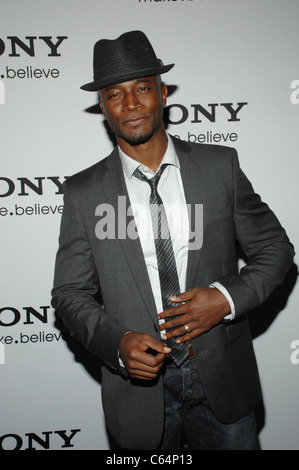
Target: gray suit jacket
{"type": "Point", "coordinates": [86, 265]}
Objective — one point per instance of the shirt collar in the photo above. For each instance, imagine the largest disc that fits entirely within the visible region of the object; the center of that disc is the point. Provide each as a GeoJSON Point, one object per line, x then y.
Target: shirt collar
{"type": "Point", "coordinates": [129, 164]}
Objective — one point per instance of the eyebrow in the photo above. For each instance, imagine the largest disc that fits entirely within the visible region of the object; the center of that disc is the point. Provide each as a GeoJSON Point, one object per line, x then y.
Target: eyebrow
{"type": "Point", "coordinates": [116, 85]}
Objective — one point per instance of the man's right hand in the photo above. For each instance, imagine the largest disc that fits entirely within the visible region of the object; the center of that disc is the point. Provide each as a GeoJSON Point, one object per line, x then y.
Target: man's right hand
{"type": "Point", "coordinates": [140, 363]}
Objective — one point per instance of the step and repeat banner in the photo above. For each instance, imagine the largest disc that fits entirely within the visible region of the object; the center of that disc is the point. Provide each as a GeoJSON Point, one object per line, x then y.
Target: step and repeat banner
{"type": "Point", "coordinates": [235, 82]}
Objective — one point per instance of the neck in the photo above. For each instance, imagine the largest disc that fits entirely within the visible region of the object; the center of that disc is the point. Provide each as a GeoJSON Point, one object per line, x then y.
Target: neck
{"type": "Point", "coordinates": [150, 153]}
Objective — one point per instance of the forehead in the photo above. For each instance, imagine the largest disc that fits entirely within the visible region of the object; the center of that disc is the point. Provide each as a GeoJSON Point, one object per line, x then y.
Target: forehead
{"type": "Point", "coordinates": [129, 83]}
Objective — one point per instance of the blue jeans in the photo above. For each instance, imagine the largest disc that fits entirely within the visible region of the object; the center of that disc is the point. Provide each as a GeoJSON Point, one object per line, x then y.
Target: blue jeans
{"type": "Point", "coordinates": [187, 413]}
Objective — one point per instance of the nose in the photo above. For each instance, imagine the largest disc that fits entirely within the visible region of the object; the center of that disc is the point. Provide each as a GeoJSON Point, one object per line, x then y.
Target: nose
{"type": "Point", "coordinates": [131, 101]}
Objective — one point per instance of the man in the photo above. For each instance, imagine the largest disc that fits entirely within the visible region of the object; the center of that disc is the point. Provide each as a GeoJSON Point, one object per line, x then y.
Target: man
{"type": "Point", "coordinates": [149, 398]}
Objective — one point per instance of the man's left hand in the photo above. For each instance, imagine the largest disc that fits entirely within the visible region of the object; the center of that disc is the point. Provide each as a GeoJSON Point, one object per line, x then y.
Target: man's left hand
{"type": "Point", "coordinates": [204, 307]}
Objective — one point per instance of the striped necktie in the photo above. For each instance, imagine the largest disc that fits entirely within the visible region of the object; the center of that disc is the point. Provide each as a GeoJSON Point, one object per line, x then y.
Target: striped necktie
{"type": "Point", "coordinates": [168, 275]}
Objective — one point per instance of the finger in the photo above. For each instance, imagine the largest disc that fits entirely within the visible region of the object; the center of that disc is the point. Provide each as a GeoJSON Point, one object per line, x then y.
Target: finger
{"type": "Point", "coordinates": [172, 312]}
{"type": "Point", "coordinates": [154, 347]}
{"type": "Point", "coordinates": [184, 296]}
{"type": "Point", "coordinates": [194, 333]}
{"type": "Point", "coordinates": [141, 375]}
{"type": "Point", "coordinates": [178, 332]}
{"type": "Point", "coordinates": [144, 370]}
{"type": "Point", "coordinates": [173, 323]}
{"type": "Point", "coordinates": [145, 361]}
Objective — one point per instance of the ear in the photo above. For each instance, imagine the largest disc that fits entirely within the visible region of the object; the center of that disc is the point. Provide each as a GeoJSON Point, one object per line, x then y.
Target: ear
{"type": "Point", "coordinates": [164, 93]}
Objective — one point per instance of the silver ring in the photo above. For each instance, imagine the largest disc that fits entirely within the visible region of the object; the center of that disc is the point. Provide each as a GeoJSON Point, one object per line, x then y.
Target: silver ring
{"type": "Point", "coordinates": [186, 326]}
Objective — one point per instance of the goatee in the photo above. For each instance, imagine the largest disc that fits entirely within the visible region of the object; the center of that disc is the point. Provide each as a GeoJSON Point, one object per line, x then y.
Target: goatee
{"type": "Point", "coordinates": [138, 140]}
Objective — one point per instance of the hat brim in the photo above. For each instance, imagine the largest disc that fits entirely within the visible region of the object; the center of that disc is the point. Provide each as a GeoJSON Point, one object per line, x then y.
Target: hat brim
{"type": "Point", "coordinates": [125, 77]}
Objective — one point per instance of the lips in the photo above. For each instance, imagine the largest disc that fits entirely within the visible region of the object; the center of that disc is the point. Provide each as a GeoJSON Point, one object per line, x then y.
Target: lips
{"type": "Point", "coordinates": [135, 120]}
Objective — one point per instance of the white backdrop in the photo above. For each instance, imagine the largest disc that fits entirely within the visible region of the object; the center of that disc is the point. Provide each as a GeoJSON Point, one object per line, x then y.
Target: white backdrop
{"type": "Point", "coordinates": [235, 82]}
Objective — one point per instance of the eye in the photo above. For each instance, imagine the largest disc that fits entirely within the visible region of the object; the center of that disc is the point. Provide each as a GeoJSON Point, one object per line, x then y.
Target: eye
{"type": "Point", "coordinates": [113, 95]}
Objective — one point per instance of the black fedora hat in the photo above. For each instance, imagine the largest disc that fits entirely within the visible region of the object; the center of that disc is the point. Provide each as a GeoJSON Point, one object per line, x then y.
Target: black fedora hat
{"type": "Point", "coordinates": [119, 60]}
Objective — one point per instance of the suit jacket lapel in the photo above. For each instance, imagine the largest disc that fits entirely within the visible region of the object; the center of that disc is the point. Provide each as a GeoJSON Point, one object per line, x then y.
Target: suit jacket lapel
{"type": "Point", "coordinates": [114, 186]}
{"type": "Point", "coordinates": [193, 178]}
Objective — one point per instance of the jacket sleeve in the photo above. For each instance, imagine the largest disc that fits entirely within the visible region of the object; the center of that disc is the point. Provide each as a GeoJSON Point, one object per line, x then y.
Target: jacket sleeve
{"type": "Point", "coordinates": [75, 289]}
{"type": "Point", "coordinates": [264, 242]}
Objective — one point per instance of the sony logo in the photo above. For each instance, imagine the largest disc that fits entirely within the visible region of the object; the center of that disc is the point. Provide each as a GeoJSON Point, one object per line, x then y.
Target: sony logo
{"type": "Point", "coordinates": [18, 46]}
{"type": "Point", "coordinates": [8, 186]}
{"type": "Point", "coordinates": [10, 316]}
{"type": "Point", "coordinates": [31, 439]}
{"type": "Point", "coordinates": [198, 111]}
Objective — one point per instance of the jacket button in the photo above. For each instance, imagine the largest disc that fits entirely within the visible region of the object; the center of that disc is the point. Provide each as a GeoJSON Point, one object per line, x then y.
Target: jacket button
{"type": "Point", "coordinates": [156, 329]}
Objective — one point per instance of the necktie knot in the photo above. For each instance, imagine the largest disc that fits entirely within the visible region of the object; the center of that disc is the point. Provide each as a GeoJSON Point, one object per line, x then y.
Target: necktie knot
{"type": "Point", "coordinates": [154, 181]}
